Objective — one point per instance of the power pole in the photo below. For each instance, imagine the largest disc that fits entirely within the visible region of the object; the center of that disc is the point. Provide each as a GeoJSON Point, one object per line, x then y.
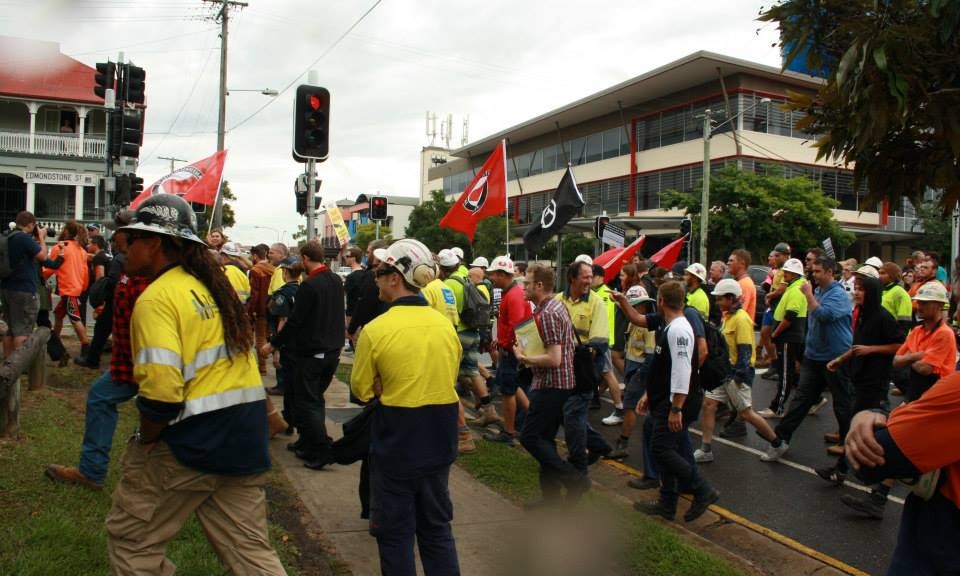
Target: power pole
{"type": "Point", "coordinates": [172, 160]}
{"type": "Point", "coordinates": [224, 16]}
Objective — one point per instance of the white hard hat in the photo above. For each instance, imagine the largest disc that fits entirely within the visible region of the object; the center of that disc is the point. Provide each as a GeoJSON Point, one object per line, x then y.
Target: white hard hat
{"type": "Point", "coordinates": [458, 252]}
{"type": "Point", "coordinates": [503, 264]}
{"type": "Point", "coordinates": [411, 258]}
{"type": "Point", "coordinates": [585, 258]}
{"type": "Point", "coordinates": [875, 262]}
{"type": "Point", "coordinates": [638, 295]}
{"type": "Point", "coordinates": [479, 262]}
{"type": "Point", "coordinates": [868, 271]}
{"type": "Point", "coordinates": [232, 249]}
{"type": "Point", "coordinates": [728, 286]}
{"type": "Point", "coordinates": [447, 258]}
{"type": "Point", "coordinates": [697, 270]}
{"type": "Point", "coordinates": [932, 292]}
{"type": "Point", "coordinates": [793, 265]}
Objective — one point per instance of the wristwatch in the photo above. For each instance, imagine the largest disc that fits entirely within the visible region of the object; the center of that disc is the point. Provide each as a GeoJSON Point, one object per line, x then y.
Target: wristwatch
{"type": "Point", "coordinates": [676, 409]}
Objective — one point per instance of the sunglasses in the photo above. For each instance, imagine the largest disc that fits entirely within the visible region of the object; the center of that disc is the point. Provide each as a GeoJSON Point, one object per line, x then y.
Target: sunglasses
{"type": "Point", "coordinates": [384, 271]}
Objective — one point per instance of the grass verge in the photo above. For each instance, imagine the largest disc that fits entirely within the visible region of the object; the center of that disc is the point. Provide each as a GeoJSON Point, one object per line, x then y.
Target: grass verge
{"type": "Point", "coordinates": [650, 547]}
{"type": "Point", "coordinates": [58, 529]}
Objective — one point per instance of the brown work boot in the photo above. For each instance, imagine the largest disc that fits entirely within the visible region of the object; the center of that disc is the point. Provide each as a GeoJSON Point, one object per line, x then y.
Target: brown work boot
{"type": "Point", "coordinates": [465, 443]}
{"type": "Point", "coordinates": [488, 415]}
{"type": "Point", "coordinates": [70, 475]}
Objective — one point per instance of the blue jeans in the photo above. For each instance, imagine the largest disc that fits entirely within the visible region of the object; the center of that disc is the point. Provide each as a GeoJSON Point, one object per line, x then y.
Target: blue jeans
{"type": "Point", "coordinates": [101, 422]}
{"type": "Point", "coordinates": [578, 433]}
{"type": "Point", "coordinates": [404, 510]}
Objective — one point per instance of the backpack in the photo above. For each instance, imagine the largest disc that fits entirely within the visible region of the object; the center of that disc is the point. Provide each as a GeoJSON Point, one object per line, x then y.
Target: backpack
{"type": "Point", "coordinates": [5, 268]}
{"type": "Point", "coordinates": [476, 309]}
{"type": "Point", "coordinates": [716, 368]}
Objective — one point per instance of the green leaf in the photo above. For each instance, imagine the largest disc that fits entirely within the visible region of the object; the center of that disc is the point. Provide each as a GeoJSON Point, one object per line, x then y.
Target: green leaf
{"type": "Point", "coordinates": [880, 58]}
{"type": "Point", "coordinates": [849, 59]}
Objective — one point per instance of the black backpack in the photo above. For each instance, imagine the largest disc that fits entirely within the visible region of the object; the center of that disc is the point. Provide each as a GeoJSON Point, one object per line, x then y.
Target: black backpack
{"type": "Point", "coordinates": [716, 368]}
{"type": "Point", "coordinates": [5, 267]}
{"type": "Point", "coordinates": [476, 309]}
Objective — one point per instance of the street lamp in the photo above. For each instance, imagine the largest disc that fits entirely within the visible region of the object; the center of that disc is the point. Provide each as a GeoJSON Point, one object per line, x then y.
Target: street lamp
{"type": "Point", "coordinates": [269, 228]}
{"type": "Point", "coordinates": [266, 91]}
{"type": "Point", "coordinates": [705, 198]}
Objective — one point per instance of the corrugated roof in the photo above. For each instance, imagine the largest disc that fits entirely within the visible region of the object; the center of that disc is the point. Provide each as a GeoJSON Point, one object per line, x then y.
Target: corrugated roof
{"type": "Point", "coordinates": [37, 69]}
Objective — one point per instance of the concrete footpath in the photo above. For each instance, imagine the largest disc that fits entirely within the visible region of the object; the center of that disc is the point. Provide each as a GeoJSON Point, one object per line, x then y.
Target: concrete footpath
{"type": "Point", "coordinates": [495, 537]}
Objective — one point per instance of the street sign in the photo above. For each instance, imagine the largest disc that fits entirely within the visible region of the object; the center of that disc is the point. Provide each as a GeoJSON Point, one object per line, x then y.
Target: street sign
{"type": "Point", "coordinates": [613, 235]}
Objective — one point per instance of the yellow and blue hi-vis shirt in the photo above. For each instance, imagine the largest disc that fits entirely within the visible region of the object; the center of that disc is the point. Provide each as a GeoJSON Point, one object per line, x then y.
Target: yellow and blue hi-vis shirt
{"type": "Point", "coordinates": [213, 402]}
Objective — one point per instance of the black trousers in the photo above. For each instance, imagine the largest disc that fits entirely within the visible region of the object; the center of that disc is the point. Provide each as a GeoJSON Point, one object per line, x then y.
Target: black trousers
{"type": "Point", "coordinates": [538, 437]}
{"type": "Point", "coordinates": [666, 447]}
{"type": "Point", "coordinates": [788, 354]}
{"type": "Point", "coordinates": [814, 379]}
{"type": "Point", "coordinates": [101, 331]}
{"type": "Point", "coordinates": [313, 376]}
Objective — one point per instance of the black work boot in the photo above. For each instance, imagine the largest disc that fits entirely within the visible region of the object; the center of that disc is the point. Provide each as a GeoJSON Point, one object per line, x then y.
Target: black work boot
{"type": "Point", "coordinates": [870, 505]}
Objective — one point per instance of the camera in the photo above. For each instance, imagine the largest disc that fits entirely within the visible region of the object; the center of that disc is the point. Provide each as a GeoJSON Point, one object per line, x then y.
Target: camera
{"type": "Point", "coordinates": [51, 233]}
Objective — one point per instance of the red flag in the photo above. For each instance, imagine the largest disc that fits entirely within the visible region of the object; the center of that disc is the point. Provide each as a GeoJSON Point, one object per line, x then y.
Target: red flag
{"type": "Point", "coordinates": [485, 196]}
{"type": "Point", "coordinates": [623, 256]}
{"type": "Point", "coordinates": [198, 182]}
{"type": "Point", "coordinates": [669, 254]}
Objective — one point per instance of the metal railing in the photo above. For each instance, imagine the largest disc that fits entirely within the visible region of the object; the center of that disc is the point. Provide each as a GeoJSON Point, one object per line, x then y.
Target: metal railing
{"type": "Point", "coordinates": [53, 144]}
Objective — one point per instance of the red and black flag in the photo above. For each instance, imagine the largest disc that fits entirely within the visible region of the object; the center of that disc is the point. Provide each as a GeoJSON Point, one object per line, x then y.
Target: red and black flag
{"type": "Point", "coordinates": [485, 196]}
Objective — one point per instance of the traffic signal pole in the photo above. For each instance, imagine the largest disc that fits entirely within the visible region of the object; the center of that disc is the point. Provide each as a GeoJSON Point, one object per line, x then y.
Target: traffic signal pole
{"type": "Point", "coordinates": [311, 192]}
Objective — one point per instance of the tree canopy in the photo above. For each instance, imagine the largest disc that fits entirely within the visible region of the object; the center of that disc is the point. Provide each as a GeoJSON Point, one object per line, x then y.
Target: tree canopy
{"type": "Point", "coordinates": [424, 225]}
{"type": "Point", "coordinates": [366, 233]}
{"type": "Point", "coordinates": [204, 212]}
{"type": "Point", "coordinates": [891, 103]}
{"type": "Point", "coordinates": [755, 211]}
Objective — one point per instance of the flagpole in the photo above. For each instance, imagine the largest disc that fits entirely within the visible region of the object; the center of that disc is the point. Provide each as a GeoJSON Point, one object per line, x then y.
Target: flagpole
{"type": "Point", "coordinates": [217, 198]}
{"type": "Point", "coordinates": [506, 199]}
{"type": "Point", "coordinates": [516, 172]}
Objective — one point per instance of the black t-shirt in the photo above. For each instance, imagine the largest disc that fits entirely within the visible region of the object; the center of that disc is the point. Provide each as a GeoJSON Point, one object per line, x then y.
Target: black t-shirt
{"type": "Point", "coordinates": [351, 287]}
{"type": "Point", "coordinates": [874, 369]}
{"type": "Point", "coordinates": [101, 258]}
{"type": "Point", "coordinates": [22, 250]}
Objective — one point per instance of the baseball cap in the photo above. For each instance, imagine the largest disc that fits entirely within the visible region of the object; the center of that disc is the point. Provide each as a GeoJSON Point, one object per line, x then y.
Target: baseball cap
{"type": "Point", "coordinates": [783, 248]}
{"type": "Point", "coordinates": [874, 261]}
{"type": "Point", "coordinates": [868, 271]}
{"type": "Point", "coordinates": [637, 295]}
{"type": "Point", "coordinates": [932, 292]}
{"type": "Point", "coordinates": [447, 258]}
{"type": "Point", "coordinates": [93, 226]}
{"type": "Point", "coordinates": [479, 262]}
{"type": "Point", "coordinates": [697, 270]}
{"type": "Point", "coordinates": [793, 265]}
{"type": "Point", "coordinates": [728, 286]}
{"type": "Point", "coordinates": [503, 264]}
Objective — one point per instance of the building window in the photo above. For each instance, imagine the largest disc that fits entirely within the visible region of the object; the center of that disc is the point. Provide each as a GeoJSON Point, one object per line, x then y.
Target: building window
{"type": "Point", "coordinates": [55, 202]}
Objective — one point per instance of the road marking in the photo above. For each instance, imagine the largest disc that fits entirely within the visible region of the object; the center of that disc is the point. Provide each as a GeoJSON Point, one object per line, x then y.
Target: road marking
{"type": "Point", "coordinates": [784, 461]}
{"type": "Point", "coordinates": [763, 530]}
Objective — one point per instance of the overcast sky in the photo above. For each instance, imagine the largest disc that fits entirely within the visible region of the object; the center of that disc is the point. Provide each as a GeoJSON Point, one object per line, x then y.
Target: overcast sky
{"type": "Point", "coordinates": [497, 62]}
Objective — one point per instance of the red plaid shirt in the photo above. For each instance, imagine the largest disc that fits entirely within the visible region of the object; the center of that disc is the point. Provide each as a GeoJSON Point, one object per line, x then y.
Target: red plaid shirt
{"type": "Point", "coordinates": [125, 296]}
{"type": "Point", "coordinates": [555, 327]}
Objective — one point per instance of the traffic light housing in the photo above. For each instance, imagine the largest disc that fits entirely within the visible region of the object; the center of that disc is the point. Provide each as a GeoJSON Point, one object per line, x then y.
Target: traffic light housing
{"type": "Point", "coordinates": [126, 134]}
{"type": "Point", "coordinates": [600, 224]}
{"type": "Point", "coordinates": [378, 208]}
{"type": "Point", "coordinates": [301, 202]}
{"type": "Point", "coordinates": [104, 78]}
{"type": "Point", "coordinates": [311, 123]}
{"type": "Point", "coordinates": [122, 196]}
{"type": "Point", "coordinates": [136, 185]}
{"type": "Point", "coordinates": [686, 225]}
{"type": "Point", "coordinates": [132, 83]}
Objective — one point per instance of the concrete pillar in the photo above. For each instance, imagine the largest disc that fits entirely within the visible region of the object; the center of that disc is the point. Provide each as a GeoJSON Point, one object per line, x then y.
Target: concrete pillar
{"type": "Point", "coordinates": [81, 122]}
{"type": "Point", "coordinates": [31, 204]}
{"type": "Point", "coordinates": [78, 202]}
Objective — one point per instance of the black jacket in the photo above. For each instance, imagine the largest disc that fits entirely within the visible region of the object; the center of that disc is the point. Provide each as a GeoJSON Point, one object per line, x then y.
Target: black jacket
{"type": "Point", "coordinates": [317, 322]}
{"type": "Point", "coordinates": [368, 306]}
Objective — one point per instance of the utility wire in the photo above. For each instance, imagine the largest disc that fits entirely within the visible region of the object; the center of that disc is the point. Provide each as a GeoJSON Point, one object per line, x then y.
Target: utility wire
{"type": "Point", "coordinates": [312, 64]}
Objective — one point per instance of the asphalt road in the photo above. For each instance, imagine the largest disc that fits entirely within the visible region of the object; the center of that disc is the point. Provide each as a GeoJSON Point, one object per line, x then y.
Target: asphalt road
{"type": "Point", "coordinates": [788, 497]}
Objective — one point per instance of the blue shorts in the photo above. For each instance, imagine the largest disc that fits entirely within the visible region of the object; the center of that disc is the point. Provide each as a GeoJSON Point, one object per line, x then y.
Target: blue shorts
{"type": "Point", "coordinates": [767, 318]}
{"type": "Point", "coordinates": [635, 374]}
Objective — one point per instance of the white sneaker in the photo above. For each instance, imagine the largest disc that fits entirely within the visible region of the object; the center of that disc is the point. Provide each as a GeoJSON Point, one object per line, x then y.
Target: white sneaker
{"type": "Point", "coordinates": [615, 418]}
{"type": "Point", "coordinates": [816, 407]}
{"type": "Point", "coordinates": [768, 413]}
{"type": "Point", "coordinates": [700, 456]}
{"type": "Point", "coordinates": [774, 454]}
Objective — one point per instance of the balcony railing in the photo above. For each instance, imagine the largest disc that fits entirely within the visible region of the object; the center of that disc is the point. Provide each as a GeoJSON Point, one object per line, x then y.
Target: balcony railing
{"type": "Point", "coordinates": [53, 144]}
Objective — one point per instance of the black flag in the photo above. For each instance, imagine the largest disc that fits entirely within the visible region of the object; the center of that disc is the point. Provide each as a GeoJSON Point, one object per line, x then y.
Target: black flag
{"type": "Point", "coordinates": [565, 204]}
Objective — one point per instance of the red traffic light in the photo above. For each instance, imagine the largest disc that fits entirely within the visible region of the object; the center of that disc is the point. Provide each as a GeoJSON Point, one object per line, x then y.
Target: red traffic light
{"type": "Point", "coordinates": [314, 102]}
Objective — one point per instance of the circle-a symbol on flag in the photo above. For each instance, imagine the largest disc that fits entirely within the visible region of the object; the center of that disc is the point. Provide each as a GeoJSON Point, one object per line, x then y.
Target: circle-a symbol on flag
{"type": "Point", "coordinates": [549, 215]}
{"type": "Point", "coordinates": [474, 199]}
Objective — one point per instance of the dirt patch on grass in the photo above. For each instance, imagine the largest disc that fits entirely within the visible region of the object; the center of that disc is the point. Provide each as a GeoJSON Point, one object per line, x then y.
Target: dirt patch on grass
{"type": "Point", "coordinates": [314, 555]}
